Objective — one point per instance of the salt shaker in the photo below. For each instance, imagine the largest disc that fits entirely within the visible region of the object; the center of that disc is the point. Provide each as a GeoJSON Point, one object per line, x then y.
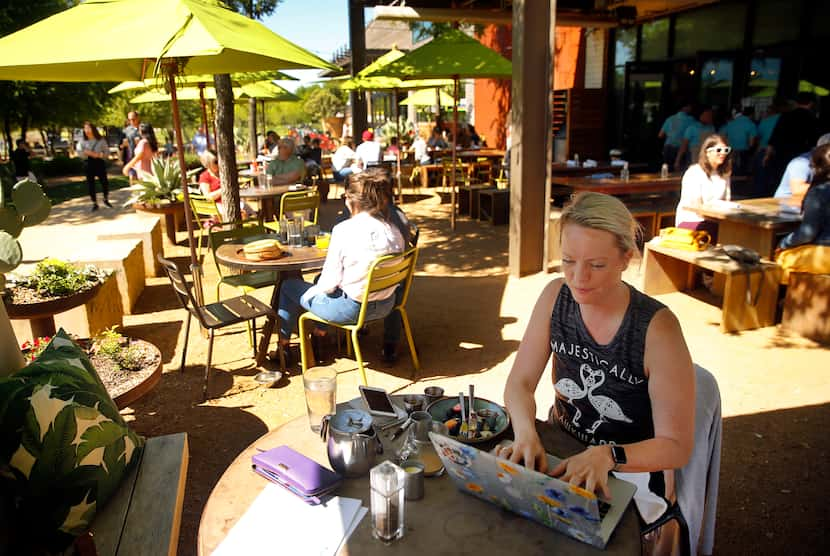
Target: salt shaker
{"type": "Point", "coordinates": [387, 482]}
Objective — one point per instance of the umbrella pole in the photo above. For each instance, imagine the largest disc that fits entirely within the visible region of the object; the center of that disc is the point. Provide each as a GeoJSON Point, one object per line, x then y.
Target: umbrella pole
{"type": "Point", "coordinates": [454, 154]}
{"type": "Point", "coordinates": [177, 127]}
{"type": "Point", "coordinates": [203, 104]}
{"type": "Point", "coordinates": [398, 157]}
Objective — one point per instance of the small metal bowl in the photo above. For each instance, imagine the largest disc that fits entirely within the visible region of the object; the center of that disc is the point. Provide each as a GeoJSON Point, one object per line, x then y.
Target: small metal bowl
{"type": "Point", "coordinates": [268, 378]}
{"type": "Point", "coordinates": [413, 402]}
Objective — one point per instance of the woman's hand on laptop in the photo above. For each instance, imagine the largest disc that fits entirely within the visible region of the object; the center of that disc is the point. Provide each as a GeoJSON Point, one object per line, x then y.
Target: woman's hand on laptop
{"type": "Point", "coordinates": [588, 469]}
{"type": "Point", "coordinates": [527, 450]}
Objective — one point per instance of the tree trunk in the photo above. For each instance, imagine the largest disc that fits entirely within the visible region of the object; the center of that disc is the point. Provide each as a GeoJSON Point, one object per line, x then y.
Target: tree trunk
{"type": "Point", "coordinates": [225, 148]}
{"type": "Point", "coordinates": [7, 131]}
{"type": "Point", "coordinates": [252, 149]}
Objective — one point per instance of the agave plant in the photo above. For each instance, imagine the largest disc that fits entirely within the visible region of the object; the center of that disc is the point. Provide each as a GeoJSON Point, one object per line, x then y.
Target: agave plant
{"type": "Point", "coordinates": [164, 184]}
{"type": "Point", "coordinates": [29, 207]}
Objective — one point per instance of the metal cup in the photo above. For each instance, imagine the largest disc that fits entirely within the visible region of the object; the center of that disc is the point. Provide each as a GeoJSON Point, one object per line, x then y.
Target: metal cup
{"type": "Point", "coordinates": [421, 425]}
{"type": "Point", "coordinates": [432, 394]}
{"type": "Point", "coordinates": [413, 480]}
{"type": "Point", "coordinates": [413, 402]}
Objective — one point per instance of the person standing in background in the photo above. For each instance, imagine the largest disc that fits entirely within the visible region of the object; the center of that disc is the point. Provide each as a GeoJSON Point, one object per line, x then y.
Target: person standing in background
{"type": "Point", "coordinates": [672, 131]}
{"type": "Point", "coordinates": [131, 139]}
{"type": "Point", "coordinates": [145, 151]}
{"type": "Point", "coordinates": [20, 158]}
{"type": "Point", "coordinates": [760, 173]}
{"type": "Point", "coordinates": [200, 141]}
{"type": "Point", "coordinates": [741, 133]}
{"type": "Point", "coordinates": [796, 132]}
{"type": "Point", "coordinates": [692, 139]}
{"type": "Point", "coordinates": [93, 149]}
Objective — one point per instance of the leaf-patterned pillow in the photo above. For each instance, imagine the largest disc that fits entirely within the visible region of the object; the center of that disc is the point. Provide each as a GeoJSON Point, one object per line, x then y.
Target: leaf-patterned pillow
{"type": "Point", "coordinates": [64, 448]}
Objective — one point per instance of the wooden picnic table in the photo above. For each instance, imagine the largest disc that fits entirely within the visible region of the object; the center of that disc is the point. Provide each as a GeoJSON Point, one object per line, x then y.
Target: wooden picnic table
{"type": "Point", "coordinates": [637, 183]}
{"type": "Point", "coordinates": [438, 524]}
{"type": "Point", "coordinates": [754, 223]}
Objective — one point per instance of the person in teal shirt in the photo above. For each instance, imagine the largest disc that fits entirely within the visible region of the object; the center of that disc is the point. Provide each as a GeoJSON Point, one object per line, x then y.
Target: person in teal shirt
{"type": "Point", "coordinates": [741, 132]}
{"type": "Point", "coordinates": [672, 131]}
{"type": "Point", "coordinates": [692, 139]}
{"type": "Point", "coordinates": [761, 176]}
{"type": "Point", "coordinates": [287, 168]}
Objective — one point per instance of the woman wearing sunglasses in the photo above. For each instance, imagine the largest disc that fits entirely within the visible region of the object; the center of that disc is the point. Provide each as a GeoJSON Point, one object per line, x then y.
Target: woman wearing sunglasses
{"type": "Point", "coordinates": [704, 182]}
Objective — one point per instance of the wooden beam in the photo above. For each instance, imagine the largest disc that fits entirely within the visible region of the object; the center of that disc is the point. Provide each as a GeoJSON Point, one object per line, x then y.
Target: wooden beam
{"type": "Point", "coordinates": [484, 16]}
{"type": "Point", "coordinates": [531, 133]}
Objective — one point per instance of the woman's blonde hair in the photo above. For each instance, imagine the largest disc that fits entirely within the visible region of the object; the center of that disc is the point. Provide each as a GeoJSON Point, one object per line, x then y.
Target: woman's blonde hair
{"type": "Point", "coordinates": [207, 158]}
{"type": "Point", "coordinates": [603, 212]}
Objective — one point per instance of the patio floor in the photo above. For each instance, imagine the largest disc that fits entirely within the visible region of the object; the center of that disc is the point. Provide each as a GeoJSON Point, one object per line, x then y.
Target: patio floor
{"type": "Point", "coordinates": [468, 317]}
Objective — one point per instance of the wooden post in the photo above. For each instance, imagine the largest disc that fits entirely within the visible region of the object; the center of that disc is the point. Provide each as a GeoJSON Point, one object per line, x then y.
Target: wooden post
{"type": "Point", "coordinates": [177, 128]}
{"type": "Point", "coordinates": [357, 41]}
{"type": "Point", "coordinates": [454, 153]}
{"type": "Point", "coordinates": [531, 152]}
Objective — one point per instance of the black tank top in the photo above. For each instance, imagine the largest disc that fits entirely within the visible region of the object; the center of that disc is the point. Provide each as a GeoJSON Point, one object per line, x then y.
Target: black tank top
{"type": "Point", "coordinates": [601, 390]}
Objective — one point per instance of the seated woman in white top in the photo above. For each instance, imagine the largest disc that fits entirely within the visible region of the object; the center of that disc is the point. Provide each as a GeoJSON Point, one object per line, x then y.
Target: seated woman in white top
{"type": "Point", "coordinates": [355, 244]}
{"type": "Point", "coordinates": [704, 182]}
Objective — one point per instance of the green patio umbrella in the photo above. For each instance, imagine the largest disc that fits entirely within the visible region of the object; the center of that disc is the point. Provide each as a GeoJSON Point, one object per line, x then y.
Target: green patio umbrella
{"type": "Point", "coordinates": [145, 39]}
{"type": "Point", "coordinates": [451, 55]}
{"type": "Point", "coordinates": [236, 78]}
{"type": "Point", "coordinates": [426, 97]}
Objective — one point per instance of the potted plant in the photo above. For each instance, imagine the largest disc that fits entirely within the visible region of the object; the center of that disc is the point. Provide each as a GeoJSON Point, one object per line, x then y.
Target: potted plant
{"type": "Point", "coordinates": [29, 206]}
{"type": "Point", "coordinates": [128, 367]}
{"type": "Point", "coordinates": [163, 186]}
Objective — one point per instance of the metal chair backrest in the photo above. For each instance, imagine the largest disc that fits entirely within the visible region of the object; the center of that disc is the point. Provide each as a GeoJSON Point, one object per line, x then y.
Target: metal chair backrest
{"type": "Point", "coordinates": [222, 232]}
{"type": "Point", "coordinates": [300, 201]}
{"type": "Point", "coordinates": [182, 288]}
{"type": "Point", "coordinates": [389, 271]}
{"type": "Point", "coordinates": [203, 208]}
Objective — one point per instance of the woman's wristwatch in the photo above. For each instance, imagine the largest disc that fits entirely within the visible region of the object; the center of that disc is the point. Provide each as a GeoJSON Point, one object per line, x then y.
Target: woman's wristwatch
{"type": "Point", "coordinates": [618, 455]}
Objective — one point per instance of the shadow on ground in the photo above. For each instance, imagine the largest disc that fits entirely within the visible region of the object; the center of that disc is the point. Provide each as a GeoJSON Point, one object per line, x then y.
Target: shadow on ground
{"type": "Point", "coordinates": [778, 476]}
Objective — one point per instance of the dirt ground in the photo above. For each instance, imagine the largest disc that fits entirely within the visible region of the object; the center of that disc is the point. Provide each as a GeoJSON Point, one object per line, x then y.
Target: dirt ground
{"type": "Point", "coordinates": [468, 317]}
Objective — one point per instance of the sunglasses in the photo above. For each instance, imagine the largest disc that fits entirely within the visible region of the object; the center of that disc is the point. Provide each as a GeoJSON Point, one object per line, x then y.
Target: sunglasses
{"type": "Point", "coordinates": [719, 150]}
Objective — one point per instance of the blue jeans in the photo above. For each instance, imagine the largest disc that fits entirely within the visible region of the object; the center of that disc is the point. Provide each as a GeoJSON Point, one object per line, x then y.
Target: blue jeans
{"type": "Point", "coordinates": [342, 174]}
{"type": "Point", "coordinates": [335, 307]}
{"type": "Point", "coordinates": [393, 323]}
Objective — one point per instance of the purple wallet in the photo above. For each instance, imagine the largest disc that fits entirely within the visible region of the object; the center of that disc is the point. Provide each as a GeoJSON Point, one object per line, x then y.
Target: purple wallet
{"type": "Point", "coordinates": [301, 475]}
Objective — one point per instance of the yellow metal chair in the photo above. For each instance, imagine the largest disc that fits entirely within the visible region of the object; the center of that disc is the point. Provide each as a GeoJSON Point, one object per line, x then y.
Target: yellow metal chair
{"type": "Point", "coordinates": [462, 174]}
{"type": "Point", "coordinates": [204, 211]}
{"type": "Point", "coordinates": [297, 201]}
{"type": "Point", "coordinates": [386, 272]}
{"type": "Point", "coordinates": [245, 283]}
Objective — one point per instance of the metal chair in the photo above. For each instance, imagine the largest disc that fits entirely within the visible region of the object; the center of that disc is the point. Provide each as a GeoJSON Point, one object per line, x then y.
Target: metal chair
{"type": "Point", "coordinates": [212, 315]}
{"type": "Point", "coordinates": [204, 211]}
{"type": "Point", "coordinates": [386, 272]}
{"type": "Point", "coordinates": [222, 232]}
{"type": "Point", "coordinates": [297, 201]}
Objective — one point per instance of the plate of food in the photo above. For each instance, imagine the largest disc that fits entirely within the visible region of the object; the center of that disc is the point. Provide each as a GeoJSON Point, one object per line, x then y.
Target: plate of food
{"type": "Point", "coordinates": [263, 250]}
{"type": "Point", "coordinates": [491, 418]}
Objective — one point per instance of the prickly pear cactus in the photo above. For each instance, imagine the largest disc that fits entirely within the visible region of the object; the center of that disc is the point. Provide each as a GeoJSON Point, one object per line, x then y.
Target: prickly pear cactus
{"type": "Point", "coordinates": [29, 206]}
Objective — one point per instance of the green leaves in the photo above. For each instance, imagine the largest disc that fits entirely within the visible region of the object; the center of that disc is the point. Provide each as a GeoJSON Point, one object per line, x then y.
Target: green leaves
{"type": "Point", "coordinates": [10, 252]}
{"type": "Point", "coordinates": [164, 184]}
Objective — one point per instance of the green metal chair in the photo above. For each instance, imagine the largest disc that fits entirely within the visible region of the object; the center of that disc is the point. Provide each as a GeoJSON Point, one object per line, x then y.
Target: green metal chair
{"type": "Point", "coordinates": [297, 201]}
{"type": "Point", "coordinates": [222, 232]}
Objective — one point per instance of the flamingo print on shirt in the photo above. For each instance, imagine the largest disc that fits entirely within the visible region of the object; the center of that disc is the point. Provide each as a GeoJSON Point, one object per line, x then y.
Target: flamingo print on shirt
{"type": "Point", "coordinates": [605, 407]}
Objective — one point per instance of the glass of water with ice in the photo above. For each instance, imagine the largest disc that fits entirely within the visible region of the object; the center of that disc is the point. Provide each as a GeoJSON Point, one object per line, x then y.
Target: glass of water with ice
{"type": "Point", "coordinates": [320, 391]}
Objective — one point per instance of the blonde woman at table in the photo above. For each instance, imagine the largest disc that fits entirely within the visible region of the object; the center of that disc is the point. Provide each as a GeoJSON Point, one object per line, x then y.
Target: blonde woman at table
{"type": "Point", "coordinates": [354, 246]}
{"type": "Point", "coordinates": [622, 374]}
{"type": "Point", "coordinates": [704, 182]}
{"type": "Point", "coordinates": [211, 186]}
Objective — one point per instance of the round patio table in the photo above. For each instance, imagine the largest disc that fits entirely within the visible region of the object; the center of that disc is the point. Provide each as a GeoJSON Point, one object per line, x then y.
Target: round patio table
{"type": "Point", "coordinates": [290, 265]}
{"type": "Point", "coordinates": [266, 197]}
{"type": "Point", "coordinates": [443, 522]}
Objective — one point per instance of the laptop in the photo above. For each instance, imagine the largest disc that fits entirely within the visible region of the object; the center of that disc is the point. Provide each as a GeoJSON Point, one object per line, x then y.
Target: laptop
{"type": "Point", "coordinates": [544, 499]}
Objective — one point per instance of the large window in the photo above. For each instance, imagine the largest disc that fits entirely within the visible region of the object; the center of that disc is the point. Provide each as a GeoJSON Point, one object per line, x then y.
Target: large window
{"type": "Point", "coordinates": [777, 21]}
{"type": "Point", "coordinates": [716, 82]}
{"type": "Point", "coordinates": [625, 48]}
{"type": "Point", "coordinates": [720, 27]}
{"type": "Point", "coordinates": [655, 41]}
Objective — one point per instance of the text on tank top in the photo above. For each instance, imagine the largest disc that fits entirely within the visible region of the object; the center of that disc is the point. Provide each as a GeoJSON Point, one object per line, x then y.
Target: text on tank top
{"type": "Point", "coordinates": [602, 390]}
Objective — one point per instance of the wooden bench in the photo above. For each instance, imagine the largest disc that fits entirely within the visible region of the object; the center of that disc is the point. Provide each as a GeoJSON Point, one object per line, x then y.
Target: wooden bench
{"type": "Point", "coordinates": [143, 516]}
{"type": "Point", "coordinates": [807, 306]}
{"type": "Point", "coordinates": [668, 270]}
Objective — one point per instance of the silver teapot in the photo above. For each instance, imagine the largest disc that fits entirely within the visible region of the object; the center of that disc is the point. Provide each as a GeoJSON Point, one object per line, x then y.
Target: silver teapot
{"type": "Point", "coordinates": [352, 443]}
